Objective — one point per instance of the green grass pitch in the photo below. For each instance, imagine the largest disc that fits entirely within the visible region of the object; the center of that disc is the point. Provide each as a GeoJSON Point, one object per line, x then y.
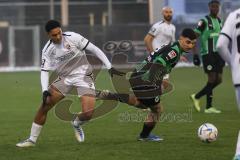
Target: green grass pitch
{"type": "Point", "coordinates": [113, 136]}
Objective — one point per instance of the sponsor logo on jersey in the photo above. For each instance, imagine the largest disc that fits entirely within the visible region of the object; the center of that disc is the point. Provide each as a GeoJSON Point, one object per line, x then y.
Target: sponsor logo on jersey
{"type": "Point", "coordinates": [65, 57]}
{"type": "Point", "coordinates": [172, 54]}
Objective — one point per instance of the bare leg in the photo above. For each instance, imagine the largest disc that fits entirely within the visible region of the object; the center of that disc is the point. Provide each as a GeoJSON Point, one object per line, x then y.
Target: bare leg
{"type": "Point", "coordinates": [55, 97]}
{"type": "Point", "coordinates": [152, 119]}
{"type": "Point", "coordinates": [88, 103]}
{"type": "Point", "coordinates": [41, 117]}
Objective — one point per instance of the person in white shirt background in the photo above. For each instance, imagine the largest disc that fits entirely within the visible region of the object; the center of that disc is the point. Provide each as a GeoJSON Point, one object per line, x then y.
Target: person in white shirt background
{"type": "Point", "coordinates": [161, 33]}
{"type": "Point", "coordinates": [228, 46]}
{"type": "Point", "coordinates": [65, 54]}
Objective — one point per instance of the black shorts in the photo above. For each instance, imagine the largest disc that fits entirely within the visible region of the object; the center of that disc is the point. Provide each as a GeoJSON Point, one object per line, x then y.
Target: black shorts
{"type": "Point", "coordinates": [213, 63]}
{"type": "Point", "coordinates": [146, 92]}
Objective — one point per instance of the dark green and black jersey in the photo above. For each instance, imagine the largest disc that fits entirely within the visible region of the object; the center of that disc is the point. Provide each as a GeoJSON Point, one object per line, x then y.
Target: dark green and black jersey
{"type": "Point", "coordinates": [208, 28]}
{"type": "Point", "coordinates": [160, 62]}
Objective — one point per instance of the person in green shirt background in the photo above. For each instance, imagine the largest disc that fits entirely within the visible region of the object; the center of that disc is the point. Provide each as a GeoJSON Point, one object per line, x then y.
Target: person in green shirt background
{"type": "Point", "coordinates": [208, 30]}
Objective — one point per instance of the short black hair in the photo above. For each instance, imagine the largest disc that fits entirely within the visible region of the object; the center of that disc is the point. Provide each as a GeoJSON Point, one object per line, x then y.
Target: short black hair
{"type": "Point", "coordinates": [51, 24]}
{"type": "Point", "coordinates": [189, 33]}
{"type": "Point", "coordinates": [213, 1]}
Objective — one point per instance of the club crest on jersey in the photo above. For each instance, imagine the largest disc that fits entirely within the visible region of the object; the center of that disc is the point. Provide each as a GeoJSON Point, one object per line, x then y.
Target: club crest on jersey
{"type": "Point", "coordinates": [172, 54]}
{"type": "Point", "coordinates": [67, 46]}
{"type": "Point", "coordinates": [209, 67]}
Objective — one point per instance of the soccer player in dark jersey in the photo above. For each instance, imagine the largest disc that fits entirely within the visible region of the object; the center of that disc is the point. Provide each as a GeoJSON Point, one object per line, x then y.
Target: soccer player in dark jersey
{"type": "Point", "coordinates": [146, 80]}
{"type": "Point", "coordinates": [208, 30]}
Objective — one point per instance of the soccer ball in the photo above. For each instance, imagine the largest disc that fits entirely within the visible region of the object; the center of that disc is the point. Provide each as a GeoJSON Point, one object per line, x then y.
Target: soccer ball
{"type": "Point", "coordinates": [207, 132]}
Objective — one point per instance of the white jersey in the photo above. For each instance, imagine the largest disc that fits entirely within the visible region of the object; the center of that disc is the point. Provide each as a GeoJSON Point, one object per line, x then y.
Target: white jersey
{"type": "Point", "coordinates": [67, 58]}
{"type": "Point", "coordinates": [163, 33]}
{"type": "Point", "coordinates": [231, 30]}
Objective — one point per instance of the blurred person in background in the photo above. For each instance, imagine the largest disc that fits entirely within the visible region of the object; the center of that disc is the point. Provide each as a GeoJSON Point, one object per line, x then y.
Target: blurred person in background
{"type": "Point", "coordinates": [208, 30]}
{"type": "Point", "coordinates": [161, 33]}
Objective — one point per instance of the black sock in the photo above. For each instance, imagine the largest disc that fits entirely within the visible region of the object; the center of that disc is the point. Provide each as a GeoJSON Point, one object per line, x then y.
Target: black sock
{"type": "Point", "coordinates": [112, 96]}
{"type": "Point", "coordinates": [209, 100]}
{"type": "Point", "coordinates": [147, 128]}
{"type": "Point", "coordinates": [124, 98]}
{"type": "Point", "coordinates": [207, 89]}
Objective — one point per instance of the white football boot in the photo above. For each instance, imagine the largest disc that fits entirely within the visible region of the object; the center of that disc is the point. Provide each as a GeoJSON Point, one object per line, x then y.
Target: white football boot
{"type": "Point", "coordinates": [79, 134]}
{"type": "Point", "coordinates": [26, 143]}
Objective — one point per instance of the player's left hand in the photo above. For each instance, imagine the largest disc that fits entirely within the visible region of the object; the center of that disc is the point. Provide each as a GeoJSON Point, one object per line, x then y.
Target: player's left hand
{"type": "Point", "coordinates": [113, 71]}
{"type": "Point", "coordinates": [196, 60]}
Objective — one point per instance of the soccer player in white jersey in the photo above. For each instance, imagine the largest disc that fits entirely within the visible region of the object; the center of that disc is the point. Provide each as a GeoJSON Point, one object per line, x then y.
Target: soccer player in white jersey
{"type": "Point", "coordinates": [230, 35]}
{"type": "Point", "coordinates": [65, 54]}
{"type": "Point", "coordinates": [161, 33]}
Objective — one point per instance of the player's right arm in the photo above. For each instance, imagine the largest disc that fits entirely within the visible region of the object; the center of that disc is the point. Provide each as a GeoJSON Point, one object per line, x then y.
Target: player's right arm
{"type": "Point", "coordinates": [198, 30]}
{"type": "Point", "coordinates": [45, 68]}
{"type": "Point", "coordinates": [225, 38]}
{"type": "Point", "coordinates": [148, 39]}
{"type": "Point", "coordinates": [148, 42]}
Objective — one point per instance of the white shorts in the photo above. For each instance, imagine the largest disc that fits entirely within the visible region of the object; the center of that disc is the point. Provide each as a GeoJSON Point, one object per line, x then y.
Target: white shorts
{"type": "Point", "coordinates": [235, 67]}
{"type": "Point", "coordinates": [75, 85]}
{"type": "Point", "coordinates": [237, 90]}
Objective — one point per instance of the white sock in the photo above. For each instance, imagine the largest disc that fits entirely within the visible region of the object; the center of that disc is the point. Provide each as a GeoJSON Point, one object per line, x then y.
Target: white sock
{"type": "Point", "coordinates": [77, 121]}
{"type": "Point", "coordinates": [238, 145]}
{"type": "Point", "coordinates": [35, 131]}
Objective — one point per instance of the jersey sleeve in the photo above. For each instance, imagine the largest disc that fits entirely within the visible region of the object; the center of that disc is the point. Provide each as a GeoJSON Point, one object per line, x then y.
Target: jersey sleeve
{"type": "Point", "coordinates": [81, 41]}
{"type": "Point", "coordinates": [154, 30]}
{"type": "Point", "coordinates": [173, 36]}
{"type": "Point", "coordinates": [227, 29]}
{"type": "Point", "coordinates": [200, 26]}
{"type": "Point", "coordinates": [46, 64]}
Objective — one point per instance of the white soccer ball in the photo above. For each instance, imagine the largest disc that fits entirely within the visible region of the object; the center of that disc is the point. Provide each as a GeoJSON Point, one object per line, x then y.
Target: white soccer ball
{"type": "Point", "coordinates": [207, 132]}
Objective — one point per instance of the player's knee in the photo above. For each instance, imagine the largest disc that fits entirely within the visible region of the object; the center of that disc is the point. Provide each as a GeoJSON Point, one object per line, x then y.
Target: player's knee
{"type": "Point", "coordinates": [157, 109]}
{"type": "Point", "coordinates": [48, 104]}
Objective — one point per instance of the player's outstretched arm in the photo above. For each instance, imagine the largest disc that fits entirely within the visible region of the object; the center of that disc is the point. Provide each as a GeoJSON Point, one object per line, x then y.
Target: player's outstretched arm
{"type": "Point", "coordinates": [99, 53]}
{"type": "Point", "coordinates": [148, 42]}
